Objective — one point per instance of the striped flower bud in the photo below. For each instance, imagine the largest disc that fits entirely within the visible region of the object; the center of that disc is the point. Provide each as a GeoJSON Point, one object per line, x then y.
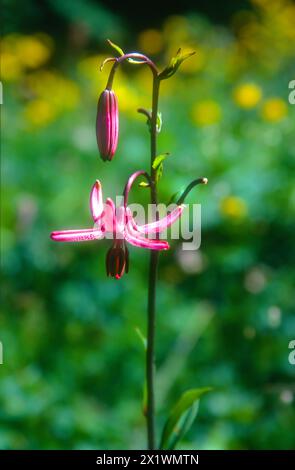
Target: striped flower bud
{"type": "Point", "coordinates": [107, 124]}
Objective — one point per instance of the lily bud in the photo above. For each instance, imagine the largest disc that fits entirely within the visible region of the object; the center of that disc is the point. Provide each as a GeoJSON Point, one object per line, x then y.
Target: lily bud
{"type": "Point", "coordinates": [107, 124]}
{"type": "Point", "coordinates": [117, 260]}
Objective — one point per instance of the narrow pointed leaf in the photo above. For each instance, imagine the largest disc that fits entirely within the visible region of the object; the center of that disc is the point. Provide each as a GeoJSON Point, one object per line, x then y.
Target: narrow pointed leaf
{"type": "Point", "coordinates": [158, 165]}
{"type": "Point", "coordinates": [159, 172]}
{"type": "Point", "coordinates": [174, 64]}
{"type": "Point", "coordinates": [117, 48]}
{"type": "Point", "coordinates": [121, 53]}
{"type": "Point", "coordinates": [109, 59]}
{"type": "Point", "coordinates": [159, 159]}
{"type": "Point", "coordinates": [181, 417]}
{"type": "Point", "coordinates": [184, 425]}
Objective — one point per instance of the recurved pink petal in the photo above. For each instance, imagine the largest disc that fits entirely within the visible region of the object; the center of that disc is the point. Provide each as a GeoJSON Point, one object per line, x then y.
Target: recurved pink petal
{"type": "Point", "coordinates": [133, 237]}
{"type": "Point", "coordinates": [109, 217]}
{"type": "Point", "coordinates": [121, 218]}
{"type": "Point", "coordinates": [96, 202]}
{"type": "Point", "coordinates": [160, 225]}
{"type": "Point", "coordinates": [77, 235]}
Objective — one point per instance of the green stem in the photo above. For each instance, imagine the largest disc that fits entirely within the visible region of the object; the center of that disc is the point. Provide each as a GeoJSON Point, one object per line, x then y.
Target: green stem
{"type": "Point", "coordinates": [153, 272]}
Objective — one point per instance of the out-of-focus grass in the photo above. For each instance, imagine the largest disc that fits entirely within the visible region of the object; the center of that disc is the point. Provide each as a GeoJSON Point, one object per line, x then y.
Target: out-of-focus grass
{"type": "Point", "coordinates": [73, 366]}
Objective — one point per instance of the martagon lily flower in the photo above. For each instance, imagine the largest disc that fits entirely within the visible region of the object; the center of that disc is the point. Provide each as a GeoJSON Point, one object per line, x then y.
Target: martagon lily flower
{"type": "Point", "coordinates": [118, 224]}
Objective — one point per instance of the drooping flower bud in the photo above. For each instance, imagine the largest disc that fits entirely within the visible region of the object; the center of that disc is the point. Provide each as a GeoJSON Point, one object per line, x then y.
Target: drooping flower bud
{"type": "Point", "coordinates": [117, 260]}
{"type": "Point", "coordinates": [107, 124]}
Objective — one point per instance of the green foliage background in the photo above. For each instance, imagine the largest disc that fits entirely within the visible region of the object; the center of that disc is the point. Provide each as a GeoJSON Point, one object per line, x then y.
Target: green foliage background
{"type": "Point", "coordinates": [73, 364]}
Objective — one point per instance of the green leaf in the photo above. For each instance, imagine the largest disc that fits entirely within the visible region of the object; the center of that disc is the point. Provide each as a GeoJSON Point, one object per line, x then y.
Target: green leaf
{"type": "Point", "coordinates": [141, 337]}
{"type": "Point", "coordinates": [158, 165]}
{"type": "Point", "coordinates": [181, 417]}
{"type": "Point", "coordinates": [117, 48]}
{"type": "Point", "coordinates": [184, 424]}
{"type": "Point", "coordinates": [159, 159]}
{"type": "Point", "coordinates": [144, 184]}
{"type": "Point", "coordinates": [174, 64]}
{"type": "Point", "coordinates": [159, 172]}
{"type": "Point", "coordinates": [121, 52]}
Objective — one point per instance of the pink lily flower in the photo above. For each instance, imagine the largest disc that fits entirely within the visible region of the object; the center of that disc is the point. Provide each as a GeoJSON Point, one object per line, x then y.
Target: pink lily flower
{"type": "Point", "coordinates": [118, 224]}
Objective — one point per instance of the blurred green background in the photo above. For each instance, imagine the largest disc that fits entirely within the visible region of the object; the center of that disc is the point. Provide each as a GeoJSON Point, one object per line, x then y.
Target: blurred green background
{"type": "Point", "coordinates": [73, 364]}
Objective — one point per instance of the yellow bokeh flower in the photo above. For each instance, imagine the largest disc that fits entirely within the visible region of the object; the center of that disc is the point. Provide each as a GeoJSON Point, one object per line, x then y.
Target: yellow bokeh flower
{"type": "Point", "coordinates": [53, 94]}
{"type": "Point", "coordinates": [10, 67]}
{"type": "Point", "coordinates": [60, 91]}
{"type": "Point", "coordinates": [206, 112]}
{"type": "Point", "coordinates": [34, 51]}
{"type": "Point", "coordinates": [129, 100]}
{"type": "Point", "coordinates": [176, 30]}
{"type": "Point", "coordinates": [232, 206]}
{"type": "Point", "coordinates": [248, 95]}
{"type": "Point", "coordinates": [150, 41]}
{"type": "Point", "coordinates": [39, 112]}
{"type": "Point", "coordinates": [89, 66]}
{"type": "Point", "coordinates": [28, 51]}
{"type": "Point", "coordinates": [266, 34]}
{"type": "Point", "coordinates": [274, 109]}
{"type": "Point", "coordinates": [19, 52]}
